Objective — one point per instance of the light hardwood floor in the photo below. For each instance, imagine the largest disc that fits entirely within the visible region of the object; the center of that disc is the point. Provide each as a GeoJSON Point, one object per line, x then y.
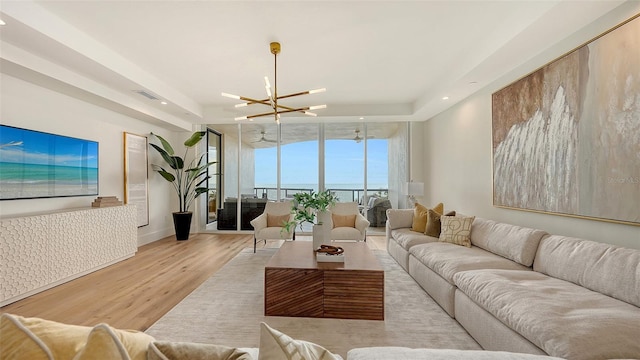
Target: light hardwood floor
{"type": "Point", "coordinates": [135, 293]}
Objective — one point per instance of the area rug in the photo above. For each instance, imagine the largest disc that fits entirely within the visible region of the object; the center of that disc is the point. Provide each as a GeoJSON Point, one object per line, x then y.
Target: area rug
{"type": "Point", "coordinates": [228, 307]}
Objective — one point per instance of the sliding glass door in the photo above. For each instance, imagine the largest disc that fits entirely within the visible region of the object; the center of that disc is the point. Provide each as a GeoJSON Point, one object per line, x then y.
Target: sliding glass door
{"type": "Point", "coordinates": [214, 183]}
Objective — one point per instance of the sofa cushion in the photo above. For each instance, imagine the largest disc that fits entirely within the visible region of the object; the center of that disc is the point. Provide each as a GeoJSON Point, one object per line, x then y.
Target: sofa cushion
{"type": "Point", "coordinates": [275, 345]}
{"type": "Point", "coordinates": [561, 318]}
{"type": "Point", "coordinates": [407, 238]}
{"type": "Point", "coordinates": [399, 218]}
{"type": "Point", "coordinates": [513, 242]}
{"type": "Point", "coordinates": [604, 268]}
{"type": "Point", "coordinates": [345, 233]}
{"type": "Point", "coordinates": [166, 350]}
{"type": "Point", "coordinates": [403, 353]}
{"type": "Point", "coordinates": [448, 259]}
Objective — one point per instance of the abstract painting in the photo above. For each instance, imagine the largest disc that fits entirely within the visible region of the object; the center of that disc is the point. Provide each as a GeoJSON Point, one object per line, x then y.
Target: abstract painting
{"type": "Point", "coordinates": [566, 138]}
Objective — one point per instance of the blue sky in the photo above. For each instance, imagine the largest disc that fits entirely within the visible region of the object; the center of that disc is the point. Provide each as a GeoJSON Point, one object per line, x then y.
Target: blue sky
{"type": "Point", "coordinates": [33, 147]}
{"type": "Point", "coordinates": [344, 163]}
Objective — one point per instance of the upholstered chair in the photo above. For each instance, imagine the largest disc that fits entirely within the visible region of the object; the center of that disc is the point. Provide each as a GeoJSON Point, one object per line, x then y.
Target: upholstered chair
{"type": "Point", "coordinates": [269, 225]}
{"type": "Point", "coordinates": [347, 223]}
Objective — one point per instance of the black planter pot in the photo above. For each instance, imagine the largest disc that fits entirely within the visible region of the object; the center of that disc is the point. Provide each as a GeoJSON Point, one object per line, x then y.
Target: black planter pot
{"type": "Point", "coordinates": [182, 224]}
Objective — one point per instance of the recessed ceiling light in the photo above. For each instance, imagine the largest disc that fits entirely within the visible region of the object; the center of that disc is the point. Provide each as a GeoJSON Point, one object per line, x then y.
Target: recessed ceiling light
{"type": "Point", "coordinates": [2, 22]}
{"type": "Point", "coordinates": [445, 98]}
{"type": "Point", "coordinates": [163, 102]}
{"type": "Point", "coordinates": [361, 118]}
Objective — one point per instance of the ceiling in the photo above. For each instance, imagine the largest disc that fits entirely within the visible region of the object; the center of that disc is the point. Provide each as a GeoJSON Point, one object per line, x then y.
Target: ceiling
{"type": "Point", "coordinates": [380, 61]}
{"type": "Point", "coordinates": [264, 135]}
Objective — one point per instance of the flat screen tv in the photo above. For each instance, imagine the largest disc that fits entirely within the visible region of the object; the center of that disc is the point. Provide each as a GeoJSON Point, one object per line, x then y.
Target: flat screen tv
{"type": "Point", "coordinates": [36, 164]}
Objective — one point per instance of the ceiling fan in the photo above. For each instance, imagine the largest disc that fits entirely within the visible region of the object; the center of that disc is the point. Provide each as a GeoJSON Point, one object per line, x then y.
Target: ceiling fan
{"type": "Point", "coordinates": [358, 138]}
{"type": "Point", "coordinates": [263, 138]}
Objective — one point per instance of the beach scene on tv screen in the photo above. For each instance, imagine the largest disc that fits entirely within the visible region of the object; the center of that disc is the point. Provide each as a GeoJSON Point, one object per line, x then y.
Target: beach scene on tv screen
{"type": "Point", "coordinates": [35, 164]}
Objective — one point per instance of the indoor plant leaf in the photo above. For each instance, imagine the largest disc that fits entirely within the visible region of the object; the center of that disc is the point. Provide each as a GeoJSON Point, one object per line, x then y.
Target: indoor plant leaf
{"type": "Point", "coordinates": [165, 144]}
{"type": "Point", "coordinates": [194, 139]}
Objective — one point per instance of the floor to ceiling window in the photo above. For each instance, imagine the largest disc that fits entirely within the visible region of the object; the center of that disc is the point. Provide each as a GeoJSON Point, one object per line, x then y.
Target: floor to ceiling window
{"type": "Point", "coordinates": [344, 161]}
{"type": "Point", "coordinates": [350, 159]}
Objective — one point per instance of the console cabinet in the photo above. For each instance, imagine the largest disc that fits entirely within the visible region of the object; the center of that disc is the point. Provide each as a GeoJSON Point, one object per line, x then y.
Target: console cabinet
{"type": "Point", "coordinates": [41, 251]}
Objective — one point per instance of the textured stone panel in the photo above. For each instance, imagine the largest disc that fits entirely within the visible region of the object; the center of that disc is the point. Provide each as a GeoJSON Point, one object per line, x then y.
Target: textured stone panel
{"type": "Point", "coordinates": [38, 251]}
{"type": "Point", "coordinates": [24, 248]}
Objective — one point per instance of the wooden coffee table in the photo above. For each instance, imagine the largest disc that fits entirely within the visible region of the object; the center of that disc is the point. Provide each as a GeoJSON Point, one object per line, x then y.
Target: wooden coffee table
{"type": "Point", "coordinates": [296, 285]}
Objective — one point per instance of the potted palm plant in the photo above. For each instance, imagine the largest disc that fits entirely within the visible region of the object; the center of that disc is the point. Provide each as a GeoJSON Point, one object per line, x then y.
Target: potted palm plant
{"type": "Point", "coordinates": [187, 179]}
{"type": "Point", "coordinates": [312, 208]}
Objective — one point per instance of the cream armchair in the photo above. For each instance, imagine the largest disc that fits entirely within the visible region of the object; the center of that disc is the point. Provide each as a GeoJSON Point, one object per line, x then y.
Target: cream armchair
{"type": "Point", "coordinates": [347, 223]}
{"type": "Point", "coordinates": [269, 225]}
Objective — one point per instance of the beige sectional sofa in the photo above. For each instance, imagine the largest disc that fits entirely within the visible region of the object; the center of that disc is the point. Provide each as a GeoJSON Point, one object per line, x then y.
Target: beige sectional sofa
{"type": "Point", "coordinates": [522, 290]}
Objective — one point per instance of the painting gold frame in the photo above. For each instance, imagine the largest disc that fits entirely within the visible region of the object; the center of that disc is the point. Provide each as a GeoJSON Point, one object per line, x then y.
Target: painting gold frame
{"type": "Point", "coordinates": [566, 138]}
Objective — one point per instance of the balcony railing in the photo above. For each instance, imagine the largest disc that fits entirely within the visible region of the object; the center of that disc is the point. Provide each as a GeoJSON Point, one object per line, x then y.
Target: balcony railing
{"type": "Point", "coordinates": [344, 195]}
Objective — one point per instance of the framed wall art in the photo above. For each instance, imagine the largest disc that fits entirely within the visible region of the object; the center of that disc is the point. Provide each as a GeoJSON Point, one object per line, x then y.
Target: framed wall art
{"type": "Point", "coordinates": [35, 164]}
{"type": "Point", "coordinates": [566, 138]}
{"type": "Point", "coordinates": [136, 180]}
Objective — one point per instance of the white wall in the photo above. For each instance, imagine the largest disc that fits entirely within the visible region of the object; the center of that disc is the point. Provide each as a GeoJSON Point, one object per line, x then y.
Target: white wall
{"type": "Point", "coordinates": [458, 156]}
{"type": "Point", "coordinates": [32, 107]}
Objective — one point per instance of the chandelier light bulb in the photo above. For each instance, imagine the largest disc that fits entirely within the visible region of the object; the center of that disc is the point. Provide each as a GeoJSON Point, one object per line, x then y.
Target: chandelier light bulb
{"type": "Point", "coordinates": [315, 91]}
{"type": "Point", "coordinates": [231, 96]}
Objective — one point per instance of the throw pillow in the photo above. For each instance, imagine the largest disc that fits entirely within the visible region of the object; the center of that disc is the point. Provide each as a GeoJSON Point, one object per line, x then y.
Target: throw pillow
{"type": "Point", "coordinates": [277, 220]}
{"type": "Point", "coordinates": [166, 350]}
{"type": "Point", "coordinates": [456, 230]}
{"type": "Point", "coordinates": [17, 342]}
{"type": "Point", "coordinates": [420, 216]}
{"type": "Point", "coordinates": [102, 343]}
{"type": "Point", "coordinates": [275, 345]}
{"type": "Point", "coordinates": [434, 224]}
{"type": "Point", "coordinates": [59, 341]}
{"type": "Point", "coordinates": [343, 220]}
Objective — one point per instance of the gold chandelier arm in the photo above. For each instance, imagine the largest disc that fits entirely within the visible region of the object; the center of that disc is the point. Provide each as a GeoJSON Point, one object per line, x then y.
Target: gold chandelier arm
{"type": "Point", "coordinates": [250, 101]}
{"type": "Point", "coordinates": [315, 91]}
{"type": "Point", "coordinates": [290, 110]}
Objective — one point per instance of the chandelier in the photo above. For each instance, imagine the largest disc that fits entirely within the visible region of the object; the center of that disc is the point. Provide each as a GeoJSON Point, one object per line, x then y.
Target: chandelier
{"type": "Point", "coordinates": [272, 96]}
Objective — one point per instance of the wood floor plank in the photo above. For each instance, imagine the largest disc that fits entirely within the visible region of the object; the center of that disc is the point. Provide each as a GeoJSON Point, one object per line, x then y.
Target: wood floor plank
{"type": "Point", "coordinates": [135, 293]}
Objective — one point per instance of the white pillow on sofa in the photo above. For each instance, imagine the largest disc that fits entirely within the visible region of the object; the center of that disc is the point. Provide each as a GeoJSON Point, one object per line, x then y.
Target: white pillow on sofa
{"type": "Point", "coordinates": [275, 345]}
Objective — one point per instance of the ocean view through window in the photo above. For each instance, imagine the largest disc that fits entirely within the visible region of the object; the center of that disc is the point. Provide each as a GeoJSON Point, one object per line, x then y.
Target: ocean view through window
{"type": "Point", "coordinates": [344, 160]}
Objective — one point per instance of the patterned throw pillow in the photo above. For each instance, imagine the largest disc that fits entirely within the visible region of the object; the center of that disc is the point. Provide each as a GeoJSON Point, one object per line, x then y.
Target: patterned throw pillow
{"type": "Point", "coordinates": [456, 230]}
{"type": "Point", "coordinates": [277, 220]}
